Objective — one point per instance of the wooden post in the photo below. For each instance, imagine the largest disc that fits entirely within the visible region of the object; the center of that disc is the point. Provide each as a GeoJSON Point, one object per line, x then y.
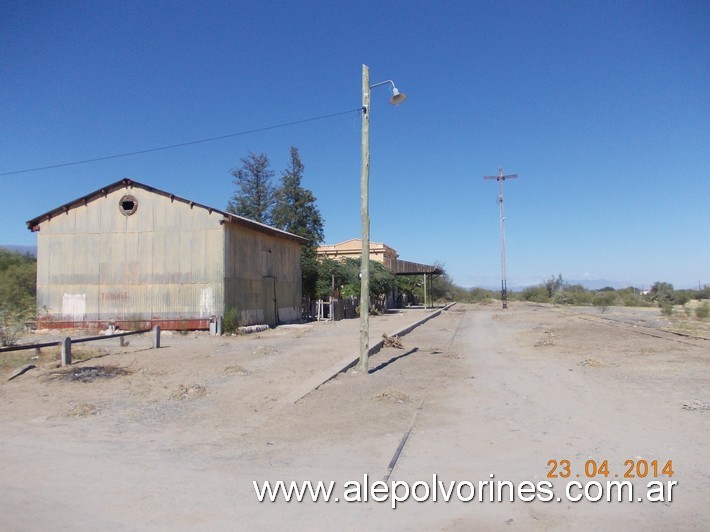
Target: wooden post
{"type": "Point", "coordinates": [365, 222]}
{"type": "Point", "coordinates": [66, 351]}
{"type": "Point", "coordinates": [156, 337]}
{"type": "Point", "coordinates": [425, 294]}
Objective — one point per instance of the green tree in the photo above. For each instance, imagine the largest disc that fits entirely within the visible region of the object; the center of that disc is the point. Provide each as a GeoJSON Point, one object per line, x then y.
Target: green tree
{"type": "Point", "coordinates": [662, 293]}
{"type": "Point", "coordinates": [254, 196]}
{"type": "Point", "coordinates": [552, 285]}
{"type": "Point", "coordinates": [295, 207]}
{"type": "Point", "coordinates": [342, 278]}
{"type": "Point", "coordinates": [410, 288]}
{"type": "Point", "coordinates": [330, 278]}
{"type": "Point", "coordinates": [442, 286]}
{"type": "Point", "coordinates": [382, 281]}
{"type": "Point", "coordinates": [18, 274]}
{"type": "Point", "coordinates": [703, 293]}
{"type": "Point", "coordinates": [295, 211]}
{"type": "Point", "coordinates": [309, 272]}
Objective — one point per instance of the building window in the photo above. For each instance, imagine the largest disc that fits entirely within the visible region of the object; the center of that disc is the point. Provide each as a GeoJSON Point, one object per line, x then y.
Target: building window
{"type": "Point", "coordinates": [128, 205]}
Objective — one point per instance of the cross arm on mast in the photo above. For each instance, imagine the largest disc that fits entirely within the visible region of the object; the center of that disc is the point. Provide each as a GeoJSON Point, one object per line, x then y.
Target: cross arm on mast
{"type": "Point", "coordinates": [500, 176]}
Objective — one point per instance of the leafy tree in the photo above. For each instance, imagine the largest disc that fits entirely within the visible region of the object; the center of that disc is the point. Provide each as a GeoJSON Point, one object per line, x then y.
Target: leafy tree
{"type": "Point", "coordinates": [552, 285]}
{"type": "Point", "coordinates": [703, 293]}
{"type": "Point", "coordinates": [255, 193]}
{"type": "Point", "coordinates": [341, 278]}
{"type": "Point", "coordinates": [382, 281]}
{"type": "Point", "coordinates": [330, 277]}
{"type": "Point", "coordinates": [662, 293]}
{"type": "Point", "coordinates": [442, 289]}
{"type": "Point", "coordinates": [309, 272]}
{"type": "Point", "coordinates": [410, 288]}
{"type": "Point", "coordinates": [442, 286]}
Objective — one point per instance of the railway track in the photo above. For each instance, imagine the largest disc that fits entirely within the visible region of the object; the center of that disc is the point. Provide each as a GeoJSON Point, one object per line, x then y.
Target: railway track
{"type": "Point", "coordinates": [673, 336]}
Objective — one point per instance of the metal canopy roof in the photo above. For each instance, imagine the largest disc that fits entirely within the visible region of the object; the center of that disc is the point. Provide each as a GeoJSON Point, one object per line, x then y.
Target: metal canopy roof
{"type": "Point", "coordinates": [404, 267]}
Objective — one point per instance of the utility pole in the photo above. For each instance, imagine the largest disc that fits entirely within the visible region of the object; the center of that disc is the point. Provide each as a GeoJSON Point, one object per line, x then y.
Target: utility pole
{"type": "Point", "coordinates": [503, 281]}
{"type": "Point", "coordinates": [396, 99]}
{"type": "Point", "coordinates": [365, 223]}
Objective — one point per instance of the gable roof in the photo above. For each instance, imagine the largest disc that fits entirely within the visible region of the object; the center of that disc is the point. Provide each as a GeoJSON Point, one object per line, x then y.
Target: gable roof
{"type": "Point", "coordinates": [33, 224]}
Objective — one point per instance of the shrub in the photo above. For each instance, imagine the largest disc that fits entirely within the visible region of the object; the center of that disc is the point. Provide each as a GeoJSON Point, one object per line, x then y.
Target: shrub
{"type": "Point", "coordinates": [537, 294]}
{"type": "Point", "coordinates": [230, 322]}
{"type": "Point", "coordinates": [604, 300]}
{"type": "Point", "coordinates": [478, 295]}
{"type": "Point", "coordinates": [702, 311]}
{"type": "Point", "coordinates": [17, 294]}
{"type": "Point", "coordinates": [12, 324]}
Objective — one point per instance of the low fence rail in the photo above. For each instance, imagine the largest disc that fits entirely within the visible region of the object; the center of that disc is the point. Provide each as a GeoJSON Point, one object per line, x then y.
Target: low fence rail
{"type": "Point", "coordinates": [66, 343]}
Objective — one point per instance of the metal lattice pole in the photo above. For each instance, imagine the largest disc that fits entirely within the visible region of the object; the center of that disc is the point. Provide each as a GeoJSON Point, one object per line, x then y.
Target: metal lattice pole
{"type": "Point", "coordinates": [503, 280]}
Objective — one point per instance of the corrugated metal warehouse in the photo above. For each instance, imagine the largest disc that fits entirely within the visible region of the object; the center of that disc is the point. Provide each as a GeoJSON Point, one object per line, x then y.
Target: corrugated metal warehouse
{"type": "Point", "coordinates": [131, 252]}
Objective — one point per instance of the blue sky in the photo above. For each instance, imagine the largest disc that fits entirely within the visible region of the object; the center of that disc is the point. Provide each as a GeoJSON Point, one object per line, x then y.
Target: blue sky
{"type": "Point", "coordinates": [602, 108]}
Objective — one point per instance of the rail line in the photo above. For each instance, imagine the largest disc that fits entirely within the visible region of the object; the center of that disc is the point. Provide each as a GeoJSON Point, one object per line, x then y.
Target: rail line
{"type": "Point", "coordinates": [405, 437]}
{"type": "Point", "coordinates": [663, 334]}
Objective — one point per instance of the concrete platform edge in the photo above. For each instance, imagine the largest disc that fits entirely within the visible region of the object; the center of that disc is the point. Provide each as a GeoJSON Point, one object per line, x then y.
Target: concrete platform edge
{"type": "Point", "coordinates": [351, 360]}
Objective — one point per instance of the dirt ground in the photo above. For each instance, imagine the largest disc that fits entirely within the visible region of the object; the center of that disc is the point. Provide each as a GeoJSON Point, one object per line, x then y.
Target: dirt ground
{"type": "Point", "coordinates": [134, 438]}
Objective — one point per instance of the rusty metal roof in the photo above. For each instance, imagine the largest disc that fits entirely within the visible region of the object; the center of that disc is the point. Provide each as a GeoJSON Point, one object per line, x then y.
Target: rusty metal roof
{"type": "Point", "coordinates": [405, 267]}
{"type": "Point", "coordinates": [33, 224]}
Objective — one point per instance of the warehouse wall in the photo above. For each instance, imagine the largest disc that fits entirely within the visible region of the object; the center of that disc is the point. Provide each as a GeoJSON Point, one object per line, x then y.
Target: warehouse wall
{"type": "Point", "coordinates": [163, 261]}
{"type": "Point", "coordinates": [263, 276]}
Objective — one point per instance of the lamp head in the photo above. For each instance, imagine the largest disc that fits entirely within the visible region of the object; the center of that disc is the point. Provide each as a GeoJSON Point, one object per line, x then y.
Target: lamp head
{"type": "Point", "coordinates": [397, 97]}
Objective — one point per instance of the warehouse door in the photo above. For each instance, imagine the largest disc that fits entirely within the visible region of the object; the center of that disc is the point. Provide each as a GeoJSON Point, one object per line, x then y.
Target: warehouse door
{"type": "Point", "coordinates": [271, 314]}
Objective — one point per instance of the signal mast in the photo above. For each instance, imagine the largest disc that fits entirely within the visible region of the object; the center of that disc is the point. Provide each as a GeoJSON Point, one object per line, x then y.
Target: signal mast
{"type": "Point", "coordinates": [503, 283]}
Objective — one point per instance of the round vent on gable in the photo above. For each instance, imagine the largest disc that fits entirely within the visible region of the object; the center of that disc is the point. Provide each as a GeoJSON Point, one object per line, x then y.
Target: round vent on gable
{"type": "Point", "coordinates": [127, 205]}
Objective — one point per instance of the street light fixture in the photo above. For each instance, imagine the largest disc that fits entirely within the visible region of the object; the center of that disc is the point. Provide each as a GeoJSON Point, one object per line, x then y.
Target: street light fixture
{"type": "Point", "coordinates": [396, 99]}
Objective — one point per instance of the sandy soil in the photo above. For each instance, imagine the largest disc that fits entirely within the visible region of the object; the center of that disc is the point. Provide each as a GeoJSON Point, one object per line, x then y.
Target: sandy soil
{"type": "Point", "coordinates": [171, 439]}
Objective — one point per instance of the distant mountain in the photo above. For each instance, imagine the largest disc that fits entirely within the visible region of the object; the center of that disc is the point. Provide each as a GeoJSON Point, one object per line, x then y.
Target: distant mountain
{"type": "Point", "coordinates": [32, 250]}
{"type": "Point", "coordinates": [596, 284]}
{"type": "Point", "coordinates": [589, 284]}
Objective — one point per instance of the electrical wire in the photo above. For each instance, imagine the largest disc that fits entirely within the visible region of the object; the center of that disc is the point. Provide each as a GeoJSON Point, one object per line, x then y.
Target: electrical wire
{"type": "Point", "coordinates": [182, 144]}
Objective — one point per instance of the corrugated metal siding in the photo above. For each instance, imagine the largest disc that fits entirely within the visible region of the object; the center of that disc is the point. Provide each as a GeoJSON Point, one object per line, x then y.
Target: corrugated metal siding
{"type": "Point", "coordinates": [250, 257]}
{"type": "Point", "coordinates": [164, 261]}
{"type": "Point", "coordinates": [169, 260]}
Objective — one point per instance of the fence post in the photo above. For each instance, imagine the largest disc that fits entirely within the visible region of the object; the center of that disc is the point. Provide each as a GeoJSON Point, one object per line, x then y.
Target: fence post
{"type": "Point", "coordinates": [66, 351]}
{"type": "Point", "coordinates": [156, 337]}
